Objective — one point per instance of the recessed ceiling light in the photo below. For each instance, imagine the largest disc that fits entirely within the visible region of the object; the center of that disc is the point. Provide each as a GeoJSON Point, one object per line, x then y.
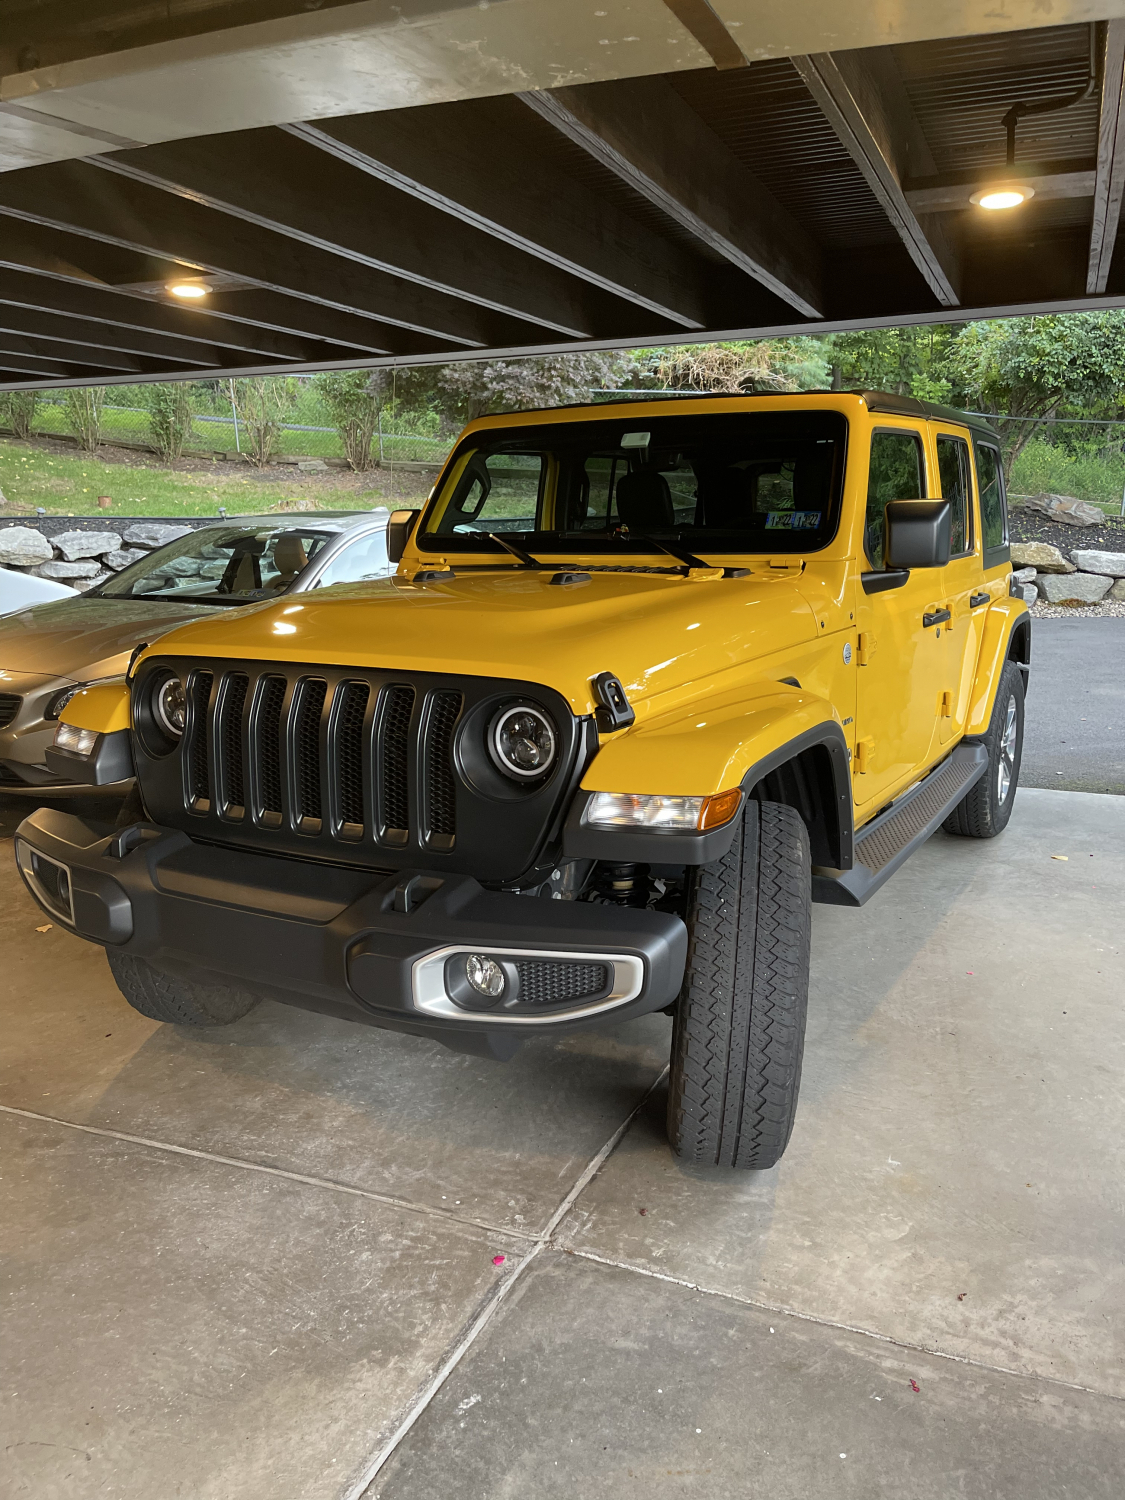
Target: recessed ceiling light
{"type": "Point", "coordinates": [188, 289]}
{"type": "Point", "coordinates": [1002, 195]}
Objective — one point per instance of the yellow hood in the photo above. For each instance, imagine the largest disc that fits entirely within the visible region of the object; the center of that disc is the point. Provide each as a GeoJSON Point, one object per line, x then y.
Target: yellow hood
{"type": "Point", "coordinates": [654, 631]}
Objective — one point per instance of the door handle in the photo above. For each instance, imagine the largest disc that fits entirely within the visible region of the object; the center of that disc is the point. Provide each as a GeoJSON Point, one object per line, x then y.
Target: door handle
{"type": "Point", "coordinates": [976, 600]}
{"type": "Point", "coordinates": [938, 617]}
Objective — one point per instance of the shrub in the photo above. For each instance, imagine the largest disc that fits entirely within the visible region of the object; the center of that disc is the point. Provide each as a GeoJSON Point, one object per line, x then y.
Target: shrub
{"type": "Point", "coordinates": [262, 404]}
{"type": "Point", "coordinates": [83, 408]}
{"type": "Point", "coordinates": [169, 418]}
{"type": "Point", "coordinates": [1043, 468]}
{"type": "Point", "coordinates": [17, 411]}
{"type": "Point", "coordinates": [353, 399]}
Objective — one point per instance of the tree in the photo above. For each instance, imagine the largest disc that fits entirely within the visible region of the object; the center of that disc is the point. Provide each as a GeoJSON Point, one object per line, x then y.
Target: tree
{"type": "Point", "coordinates": [262, 403]}
{"type": "Point", "coordinates": [904, 361]}
{"type": "Point", "coordinates": [471, 388]}
{"type": "Point", "coordinates": [1028, 367]}
{"type": "Point", "coordinates": [83, 406]}
{"type": "Point", "coordinates": [17, 411]}
{"type": "Point", "coordinates": [169, 417]}
{"type": "Point", "coordinates": [354, 399]}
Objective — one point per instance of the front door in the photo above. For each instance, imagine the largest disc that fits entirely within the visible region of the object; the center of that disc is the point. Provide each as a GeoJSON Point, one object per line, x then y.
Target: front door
{"type": "Point", "coordinates": [903, 662]}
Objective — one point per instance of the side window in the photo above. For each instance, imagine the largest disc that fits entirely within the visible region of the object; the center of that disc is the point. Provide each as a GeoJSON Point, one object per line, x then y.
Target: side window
{"type": "Point", "coordinates": [497, 492]}
{"type": "Point", "coordinates": [364, 558]}
{"type": "Point", "coordinates": [953, 471]}
{"type": "Point", "coordinates": [897, 472]}
{"type": "Point", "coordinates": [993, 511]}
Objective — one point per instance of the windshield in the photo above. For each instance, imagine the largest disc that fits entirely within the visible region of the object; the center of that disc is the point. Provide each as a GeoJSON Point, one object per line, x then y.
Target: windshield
{"type": "Point", "coordinates": [746, 482]}
{"type": "Point", "coordinates": [221, 565]}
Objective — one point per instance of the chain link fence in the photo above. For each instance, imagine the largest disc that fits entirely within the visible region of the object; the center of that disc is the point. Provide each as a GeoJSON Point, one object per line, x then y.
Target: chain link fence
{"type": "Point", "coordinates": [221, 434]}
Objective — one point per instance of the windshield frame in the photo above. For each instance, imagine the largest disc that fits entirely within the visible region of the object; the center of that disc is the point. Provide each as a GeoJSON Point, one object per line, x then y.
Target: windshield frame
{"type": "Point", "coordinates": [821, 422]}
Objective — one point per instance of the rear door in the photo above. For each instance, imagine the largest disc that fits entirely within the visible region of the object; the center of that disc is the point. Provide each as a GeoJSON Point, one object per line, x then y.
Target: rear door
{"type": "Point", "coordinates": [965, 599]}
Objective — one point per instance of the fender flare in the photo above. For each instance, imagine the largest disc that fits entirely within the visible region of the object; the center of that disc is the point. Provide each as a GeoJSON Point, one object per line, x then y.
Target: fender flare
{"type": "Point", "coordinates": [807, 765]}
{"type": "Point", "coordinates": [1007, 631]}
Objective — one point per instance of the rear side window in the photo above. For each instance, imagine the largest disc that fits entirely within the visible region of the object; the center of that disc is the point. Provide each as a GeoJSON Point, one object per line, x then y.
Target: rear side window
{"type": "Point", "coordinates": [956, 486]}
{"type": "Point", "coordinates": [993, 510]}
{"type": "Point", "coordinates": [897, 472]}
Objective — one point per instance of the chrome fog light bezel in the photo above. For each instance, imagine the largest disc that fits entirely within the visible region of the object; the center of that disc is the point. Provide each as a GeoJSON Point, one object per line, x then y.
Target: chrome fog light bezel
{"type": "Point", "coordinates": [26, 858]}
{"type": "Point", "coordinates": [430, 992]}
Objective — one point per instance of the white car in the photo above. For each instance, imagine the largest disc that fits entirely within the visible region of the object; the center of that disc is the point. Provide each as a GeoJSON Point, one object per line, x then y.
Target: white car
{"type": "Point", "coordinates": [18, 590]}
{"type": "Point", "coordinates": [49, 652]}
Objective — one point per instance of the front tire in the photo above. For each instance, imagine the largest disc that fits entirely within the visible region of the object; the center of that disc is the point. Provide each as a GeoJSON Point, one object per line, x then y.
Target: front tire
{"type": "Point", "coordinates": [985, 809]}
{"type": "Point", "coordinates": [164, 997]}
{"type": "Point", "coordinates": [739, 1025]}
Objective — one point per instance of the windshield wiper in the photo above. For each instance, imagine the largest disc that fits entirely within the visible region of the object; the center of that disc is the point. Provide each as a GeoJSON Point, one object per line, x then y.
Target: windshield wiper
{"type": "Point", "coordinates": [688, 559]}
{"type": "Point", "coordinates": [525, 557]}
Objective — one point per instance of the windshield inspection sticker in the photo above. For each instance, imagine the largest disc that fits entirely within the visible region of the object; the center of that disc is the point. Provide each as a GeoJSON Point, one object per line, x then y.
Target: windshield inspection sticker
{"type": "Point", "coordinates": [792, 520]}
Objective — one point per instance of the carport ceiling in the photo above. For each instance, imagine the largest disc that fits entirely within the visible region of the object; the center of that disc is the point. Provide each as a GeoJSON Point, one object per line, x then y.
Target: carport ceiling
{"type": "Point", "coordinates": [365, 184]}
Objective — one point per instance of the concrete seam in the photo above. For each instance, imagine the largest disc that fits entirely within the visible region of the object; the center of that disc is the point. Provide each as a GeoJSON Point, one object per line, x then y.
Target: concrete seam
{"type": "Point", "coordinates": [869, 1333]}
{"type": "Point", "coordinates": [253, 1166]}
{"type": "Point", "coordinates": [361, 1486]}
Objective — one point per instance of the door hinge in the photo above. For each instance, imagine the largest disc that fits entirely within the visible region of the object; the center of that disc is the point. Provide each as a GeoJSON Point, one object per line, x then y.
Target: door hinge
{"type": "Point", "coordinates": [946, 709]}
{"type": "Point", "coordinates": [861, 757]}
{"type": "Point", "coordinates": [865, 647]}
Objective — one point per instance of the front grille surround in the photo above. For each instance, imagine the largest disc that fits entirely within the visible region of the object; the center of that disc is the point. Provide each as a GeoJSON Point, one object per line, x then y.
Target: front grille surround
{"type": "Point", "coordinates": [9, 708]}
{"type": "Point", "coordinates": [351, 766]}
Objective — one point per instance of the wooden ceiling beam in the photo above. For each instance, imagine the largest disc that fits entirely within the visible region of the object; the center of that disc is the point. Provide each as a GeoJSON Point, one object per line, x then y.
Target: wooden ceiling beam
{"type": "Point", "coordinates": [1109, 177]}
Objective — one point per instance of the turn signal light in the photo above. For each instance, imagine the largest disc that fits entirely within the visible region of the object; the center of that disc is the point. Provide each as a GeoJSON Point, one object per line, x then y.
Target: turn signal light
{"type": "Point", "coordinates": [662, 814]}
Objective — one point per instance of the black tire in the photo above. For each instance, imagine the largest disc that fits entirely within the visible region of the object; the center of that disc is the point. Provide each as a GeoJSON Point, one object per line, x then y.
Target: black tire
{"type": "Point", "coordinates": [163, 997]}
{"type": "Point", "coordinates": [985, 809]}
{"type": "Point", "coordinates": [739, 1028]}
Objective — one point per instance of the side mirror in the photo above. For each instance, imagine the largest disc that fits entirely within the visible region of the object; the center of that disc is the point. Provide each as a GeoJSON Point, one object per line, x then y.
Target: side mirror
{"type": "Point", "coordinates": [399, 528]}
{"type": "Point", "coordinates": [918, 533]}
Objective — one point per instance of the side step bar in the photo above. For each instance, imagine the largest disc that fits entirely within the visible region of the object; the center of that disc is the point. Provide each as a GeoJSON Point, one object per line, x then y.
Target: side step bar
{"type": "Point", "coordinates": [889, 840]}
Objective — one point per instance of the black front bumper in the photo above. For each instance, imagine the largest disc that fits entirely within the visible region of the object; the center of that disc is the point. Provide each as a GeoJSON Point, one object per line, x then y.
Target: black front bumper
{"type": "Point", "coordinates": [364, 945]}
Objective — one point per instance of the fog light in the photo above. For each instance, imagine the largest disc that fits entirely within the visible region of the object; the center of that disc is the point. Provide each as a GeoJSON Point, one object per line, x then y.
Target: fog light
{"type": "Point", "coordinates": [485, 975]}
{"type": "Point", "coordinates": [77, 741]}
{"type": "Point", "coordinates": [661, 814]}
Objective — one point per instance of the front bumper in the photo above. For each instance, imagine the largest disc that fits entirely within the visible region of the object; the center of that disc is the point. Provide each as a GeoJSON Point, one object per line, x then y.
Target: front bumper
{"type": "Point", "coordinates": [364, 945]}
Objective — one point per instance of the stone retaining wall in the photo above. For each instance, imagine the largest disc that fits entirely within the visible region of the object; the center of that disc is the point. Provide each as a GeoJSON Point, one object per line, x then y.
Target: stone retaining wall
{"type": "Point", "coordinates": [81, 551]}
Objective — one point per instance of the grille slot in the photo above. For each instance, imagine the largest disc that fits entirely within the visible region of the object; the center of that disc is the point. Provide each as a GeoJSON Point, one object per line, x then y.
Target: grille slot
{"type": "Point", "coordinates": [306, 747]}
{"type": "Point", "coordinates": [394, 722]}
{"type": "Point", "coordinates": [352, 700]}
{"type": "Point", "coordinates": [230, 740]}
{"type": "Point", "coordinates": [9, 708]}
{"type": "Point", "coordinates": [199, 765]}
{"type": "Point", "coordinates": [441, 795]}
{"type": "Point", "coordinates": [557, 982]}
{"type": "Point", "coordinates": [268, 737]}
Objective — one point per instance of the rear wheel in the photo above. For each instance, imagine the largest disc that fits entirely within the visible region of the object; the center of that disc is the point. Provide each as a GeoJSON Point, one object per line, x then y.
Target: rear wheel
{"type": "Point", "coordinates": [164, 997]}
{"type": "Point", "coordinates": [740, 1020]}
{"type": "Point", "coordinates": [985, 809]}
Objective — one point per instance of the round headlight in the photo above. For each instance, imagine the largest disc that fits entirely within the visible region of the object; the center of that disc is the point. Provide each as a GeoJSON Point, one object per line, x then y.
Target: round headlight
{"type": "Point", "coordinates": [169, 706]}
{"type": "Point", "coordinates": [522, 741]}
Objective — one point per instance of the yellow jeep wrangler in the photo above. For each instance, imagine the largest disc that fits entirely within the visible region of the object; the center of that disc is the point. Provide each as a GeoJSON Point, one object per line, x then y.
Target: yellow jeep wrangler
{"type": "Point", "coordinates": [651, 678]}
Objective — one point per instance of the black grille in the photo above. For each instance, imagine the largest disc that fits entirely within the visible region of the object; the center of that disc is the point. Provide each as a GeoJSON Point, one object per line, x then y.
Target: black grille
{"type": "Point", "coordinates": [306, 747]}
{"type": "Point", "coordinates": [349, 751]}
{"type": "Point", "coordinates": [442, 806]}
{"type": "Point", "coordinates": [560, 982]}
{"type": "Point", "coordinates": [267, 738]}
{"type": "Point", "coordinates": [395, 712]}
{"type": "Point", "coordinates": [9, 708]}
{"type": "Point", "coordinates": [200, 758]}
{"type": "Point", "coordinates": [230, 738]}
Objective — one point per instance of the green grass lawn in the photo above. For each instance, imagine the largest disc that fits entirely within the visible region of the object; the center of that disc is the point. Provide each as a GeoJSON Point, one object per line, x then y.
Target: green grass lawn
{"type": "Point", "coordinates": [32, 475]}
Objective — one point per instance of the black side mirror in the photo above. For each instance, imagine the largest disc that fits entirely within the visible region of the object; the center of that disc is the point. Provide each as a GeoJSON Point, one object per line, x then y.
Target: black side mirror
{"type": "Point", "coordinates": [399, 528]}
{"type": "Point", "coordinates": [918, 533]}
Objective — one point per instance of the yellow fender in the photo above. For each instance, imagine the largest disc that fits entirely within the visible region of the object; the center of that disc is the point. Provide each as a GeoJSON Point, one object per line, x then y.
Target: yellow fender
{"type": "Point", "coordinates": [710, 745]}
{"type": "Point", "coordinates": [1003, 618]}
{"type": "Point", "coordinates": [104, 708]}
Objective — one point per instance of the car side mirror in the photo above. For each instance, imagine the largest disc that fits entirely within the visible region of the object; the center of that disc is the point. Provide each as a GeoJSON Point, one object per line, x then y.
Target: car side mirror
{"type": "Point", "coordinates": [918, 534]}
{"type": "Point", "coordinates": [399, 527]}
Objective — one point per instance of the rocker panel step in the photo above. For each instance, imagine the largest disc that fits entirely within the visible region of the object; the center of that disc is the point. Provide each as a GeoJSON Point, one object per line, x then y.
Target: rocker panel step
{"type": "Point", "coordinates": [889, 840]}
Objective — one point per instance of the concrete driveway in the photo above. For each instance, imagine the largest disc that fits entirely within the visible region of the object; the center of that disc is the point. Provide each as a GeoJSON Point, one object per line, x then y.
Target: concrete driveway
{"type": "Point", "coordinates": [1075, 737]}
{"type": "Point", "coordinates": [264, 1262]}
